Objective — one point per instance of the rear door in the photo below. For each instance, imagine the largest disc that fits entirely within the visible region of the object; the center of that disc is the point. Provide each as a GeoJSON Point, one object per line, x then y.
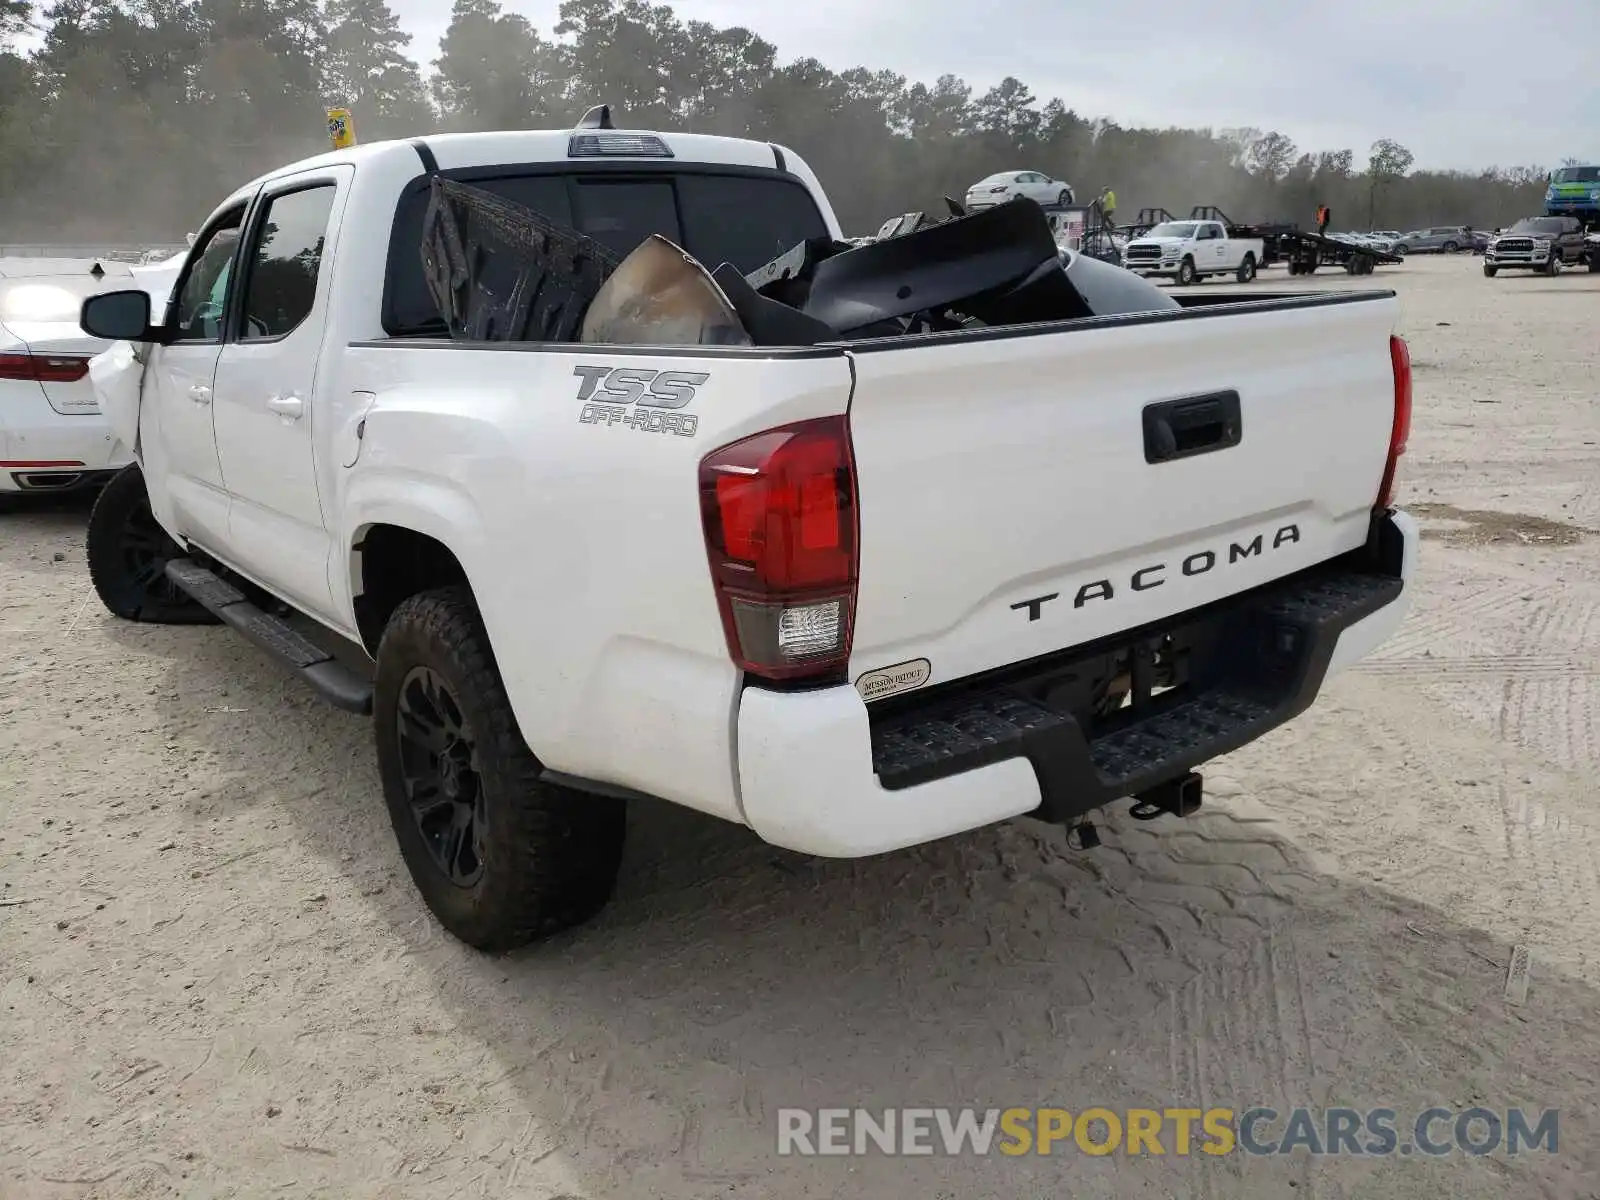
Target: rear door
{"type": "Point", "coordinates": [1008, 507]}
{"type": "Point", "coordinates": [266, 401]}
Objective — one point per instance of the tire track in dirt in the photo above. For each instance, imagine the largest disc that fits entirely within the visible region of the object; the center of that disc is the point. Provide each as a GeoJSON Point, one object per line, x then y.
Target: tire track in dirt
{"type": "Point", "coordinates": [1553, 712]}
{"type": "Point", "coordinates": [1243, 1035]}
{"type": "Point", "coordinates": [1433, 668]}
{"type": "Point", "coordinates": [1521, 658]}
{"type": "Point", "coordinates": [1434, 620]}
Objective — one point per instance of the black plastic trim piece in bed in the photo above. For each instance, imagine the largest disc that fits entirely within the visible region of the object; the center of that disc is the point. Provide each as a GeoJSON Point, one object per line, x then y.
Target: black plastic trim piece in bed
{"type": "Point", "coordinates": [1260, 660]}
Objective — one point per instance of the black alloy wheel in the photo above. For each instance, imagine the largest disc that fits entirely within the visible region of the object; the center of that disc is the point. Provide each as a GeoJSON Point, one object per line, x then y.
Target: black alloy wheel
{"type": "Point", "coordinates": [439, 768]}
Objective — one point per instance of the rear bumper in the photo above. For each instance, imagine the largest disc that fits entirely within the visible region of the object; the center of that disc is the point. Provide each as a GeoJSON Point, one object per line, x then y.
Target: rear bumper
{"type": "Point", "coordinates": [43, 450]}
{"type": "Point", "coordinates": [821, 774]}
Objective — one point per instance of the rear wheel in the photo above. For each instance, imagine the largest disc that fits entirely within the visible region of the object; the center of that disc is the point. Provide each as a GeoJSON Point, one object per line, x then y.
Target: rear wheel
{"type": "Point", "coordinates": [1247, 269]}
{"type": "Point", "coordinates": [128, 552]}
{"type": "Point", "coordinates": [1594, 264]}
{"type": "Point", "coordinates": [500, 857]}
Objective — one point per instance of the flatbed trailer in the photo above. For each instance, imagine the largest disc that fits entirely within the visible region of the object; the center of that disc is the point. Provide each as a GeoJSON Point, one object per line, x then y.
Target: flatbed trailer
{"type": "Point", "coordinates": [1145, 221]}
{"type": "Point", "coordinates": [1306, 252]}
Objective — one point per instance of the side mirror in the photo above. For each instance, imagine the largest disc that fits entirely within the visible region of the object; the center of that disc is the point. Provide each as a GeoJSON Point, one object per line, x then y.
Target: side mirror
{"type": "Point", "coordinates": [118, 317]}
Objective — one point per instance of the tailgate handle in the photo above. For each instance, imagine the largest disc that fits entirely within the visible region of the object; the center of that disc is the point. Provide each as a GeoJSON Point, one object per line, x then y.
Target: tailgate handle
{"type": "Point", "coordinates": [1193, 425]}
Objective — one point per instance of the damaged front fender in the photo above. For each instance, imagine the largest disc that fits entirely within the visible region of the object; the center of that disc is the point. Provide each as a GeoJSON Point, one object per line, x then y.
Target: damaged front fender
{"type": "Point", "coordinates": [117, 375]}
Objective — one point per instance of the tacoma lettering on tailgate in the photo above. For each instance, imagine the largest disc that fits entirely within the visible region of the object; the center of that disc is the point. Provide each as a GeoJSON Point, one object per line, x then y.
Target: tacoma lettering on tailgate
{"type": "Point", "coordinates": [1154, 575]}
{"type": "Point", "coordinates": [639, 398]}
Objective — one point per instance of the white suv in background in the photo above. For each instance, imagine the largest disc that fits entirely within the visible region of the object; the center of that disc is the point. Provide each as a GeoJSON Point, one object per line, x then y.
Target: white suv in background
{"type": "Point", "coordinates": [1008, 185]}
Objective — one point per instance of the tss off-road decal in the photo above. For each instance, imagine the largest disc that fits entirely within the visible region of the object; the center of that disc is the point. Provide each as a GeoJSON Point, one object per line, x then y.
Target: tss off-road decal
{"type": "Point", "coordinates": [639, 398]}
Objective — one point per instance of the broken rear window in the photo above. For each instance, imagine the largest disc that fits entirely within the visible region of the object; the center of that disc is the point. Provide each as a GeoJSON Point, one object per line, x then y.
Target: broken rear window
{"type": "Point", "coordinates": [745, 218]}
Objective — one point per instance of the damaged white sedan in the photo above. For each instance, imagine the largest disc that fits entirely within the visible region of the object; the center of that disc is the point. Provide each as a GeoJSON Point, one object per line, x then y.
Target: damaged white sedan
{"type": "Point", "coordinates": [53, 436]}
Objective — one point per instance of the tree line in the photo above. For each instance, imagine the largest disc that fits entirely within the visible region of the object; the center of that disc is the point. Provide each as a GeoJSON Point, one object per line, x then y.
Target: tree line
{"type": "Point", "coordinates": [130, 119]}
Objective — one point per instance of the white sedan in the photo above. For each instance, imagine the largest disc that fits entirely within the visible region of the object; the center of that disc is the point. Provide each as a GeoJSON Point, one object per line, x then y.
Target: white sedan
{"type": "Point", "coordinates": [1008, 185]}
{"type": "Point", "coordinates": [53, 437]}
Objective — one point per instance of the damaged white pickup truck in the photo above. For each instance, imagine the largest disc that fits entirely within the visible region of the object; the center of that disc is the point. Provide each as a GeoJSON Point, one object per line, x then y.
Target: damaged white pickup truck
{"type": "Point", "coordinates": [858, 547]}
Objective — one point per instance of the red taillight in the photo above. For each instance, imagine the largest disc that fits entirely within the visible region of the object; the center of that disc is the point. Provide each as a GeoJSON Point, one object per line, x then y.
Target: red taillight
{"type": "Point", "coordinates": [779, 510]}
{"type": "Point", "coordinates": [1400, 356]}
{"type": "Point", "coordinates": [44, 368]}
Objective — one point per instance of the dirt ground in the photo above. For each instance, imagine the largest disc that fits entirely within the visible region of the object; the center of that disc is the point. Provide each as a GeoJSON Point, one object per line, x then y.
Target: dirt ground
{"type": "Point", "coordinates": [217, 981]}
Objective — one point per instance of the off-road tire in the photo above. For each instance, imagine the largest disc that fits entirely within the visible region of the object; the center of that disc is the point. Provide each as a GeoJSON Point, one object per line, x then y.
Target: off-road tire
{"type": "Point", "coordinates": [127, 554]}
{"type": "Point", "coordinates": [1186, 273]}
{"type": "Point", "coordinates": [550, 856]}
{"type": "Point", "coordinates": [1247, 269]}
{"type": "Point", "coordinates": [1490, 271]}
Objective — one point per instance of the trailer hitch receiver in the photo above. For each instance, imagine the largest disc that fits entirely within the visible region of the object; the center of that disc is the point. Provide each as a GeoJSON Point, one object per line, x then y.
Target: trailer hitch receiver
{"type": "Point", "coordinates": [1180, 797]}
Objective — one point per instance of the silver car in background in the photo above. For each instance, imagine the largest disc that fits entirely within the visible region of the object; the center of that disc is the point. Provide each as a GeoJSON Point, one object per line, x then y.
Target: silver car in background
{"type": "Point", "coordinates": [1439, 239]}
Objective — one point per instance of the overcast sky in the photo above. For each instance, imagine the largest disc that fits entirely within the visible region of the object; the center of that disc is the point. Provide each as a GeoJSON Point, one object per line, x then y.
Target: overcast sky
{"type": "Point", "coordinates": [1435, 76]}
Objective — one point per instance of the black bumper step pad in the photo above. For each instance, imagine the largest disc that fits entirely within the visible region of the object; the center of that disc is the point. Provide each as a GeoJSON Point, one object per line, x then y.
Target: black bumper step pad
{"type": "Point", "coordinates": [1276, 643]}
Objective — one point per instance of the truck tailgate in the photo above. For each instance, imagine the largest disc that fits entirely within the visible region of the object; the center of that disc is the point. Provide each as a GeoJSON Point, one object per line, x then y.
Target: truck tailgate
{"type": "Point", "coordinates": [1009, 507]}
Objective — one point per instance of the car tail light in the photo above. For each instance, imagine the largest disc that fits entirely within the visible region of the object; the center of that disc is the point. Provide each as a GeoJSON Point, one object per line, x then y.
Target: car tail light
{"type": "Point", "coordinates": [779, 510]}
{"type": "Point", "coordinates": [44, 368]}
{"type": "Point", "coordinates": [1400, 433]}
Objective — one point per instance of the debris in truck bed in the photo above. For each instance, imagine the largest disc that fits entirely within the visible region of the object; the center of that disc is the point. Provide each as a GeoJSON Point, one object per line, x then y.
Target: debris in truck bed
{"type": "Point", "coordinates": [499, 271]}
{"type": "Point", "coordinates": [661, 296]}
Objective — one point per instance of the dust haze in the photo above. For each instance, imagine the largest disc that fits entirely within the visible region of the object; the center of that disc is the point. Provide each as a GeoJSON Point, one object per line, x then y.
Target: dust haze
{"type": "Point", "coordinates": [129, 121]}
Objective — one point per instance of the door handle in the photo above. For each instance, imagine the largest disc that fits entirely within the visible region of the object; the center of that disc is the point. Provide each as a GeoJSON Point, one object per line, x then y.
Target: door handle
{"type": "Point", "coordinates": [287, 406]}
{"type": "Point", "coordinates": [200, 394]}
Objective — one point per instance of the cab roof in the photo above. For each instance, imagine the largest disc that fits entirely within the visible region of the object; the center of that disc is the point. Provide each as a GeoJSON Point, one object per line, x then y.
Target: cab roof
{"type": "Point", "coordinates": [465, 150]}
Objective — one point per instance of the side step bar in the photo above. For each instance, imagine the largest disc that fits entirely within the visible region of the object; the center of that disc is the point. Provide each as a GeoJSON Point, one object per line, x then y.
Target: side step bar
{"type": "Point", "coordinates": [334, 681]}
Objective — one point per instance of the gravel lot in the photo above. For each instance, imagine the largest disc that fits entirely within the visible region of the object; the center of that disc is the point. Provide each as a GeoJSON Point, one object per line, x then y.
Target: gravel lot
{"type": "Point", "coordinates": [217, 981]}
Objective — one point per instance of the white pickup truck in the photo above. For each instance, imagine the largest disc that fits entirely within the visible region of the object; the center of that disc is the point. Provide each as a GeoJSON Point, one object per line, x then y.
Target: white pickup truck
{"type": "Point", "coordinates": [855, 595]}
{"type": "Point", "coordinates": [1186, 251]}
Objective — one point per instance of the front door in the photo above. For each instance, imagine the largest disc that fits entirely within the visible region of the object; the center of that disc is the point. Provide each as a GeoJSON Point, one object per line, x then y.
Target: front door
{"type": "Point", "coordinates": [266, 390]}
{"type": "Point", "coordinates": [181, 441]}
{"type": "Point", "coordinates": [1217, 247]}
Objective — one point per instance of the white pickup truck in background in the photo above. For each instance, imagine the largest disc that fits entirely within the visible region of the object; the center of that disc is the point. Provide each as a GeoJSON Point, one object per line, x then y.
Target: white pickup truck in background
{"type": "Point", "coordinates": [1187, 251]}
{"type": "Point", "coordinates": [856, 593]}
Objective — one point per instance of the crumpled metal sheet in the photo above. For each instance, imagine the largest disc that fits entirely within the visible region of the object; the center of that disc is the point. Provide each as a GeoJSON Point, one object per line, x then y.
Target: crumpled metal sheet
{"type": "Point", "coordinates": [116, 374]}
{"type": "Point", "coordinates": [662, 296]}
